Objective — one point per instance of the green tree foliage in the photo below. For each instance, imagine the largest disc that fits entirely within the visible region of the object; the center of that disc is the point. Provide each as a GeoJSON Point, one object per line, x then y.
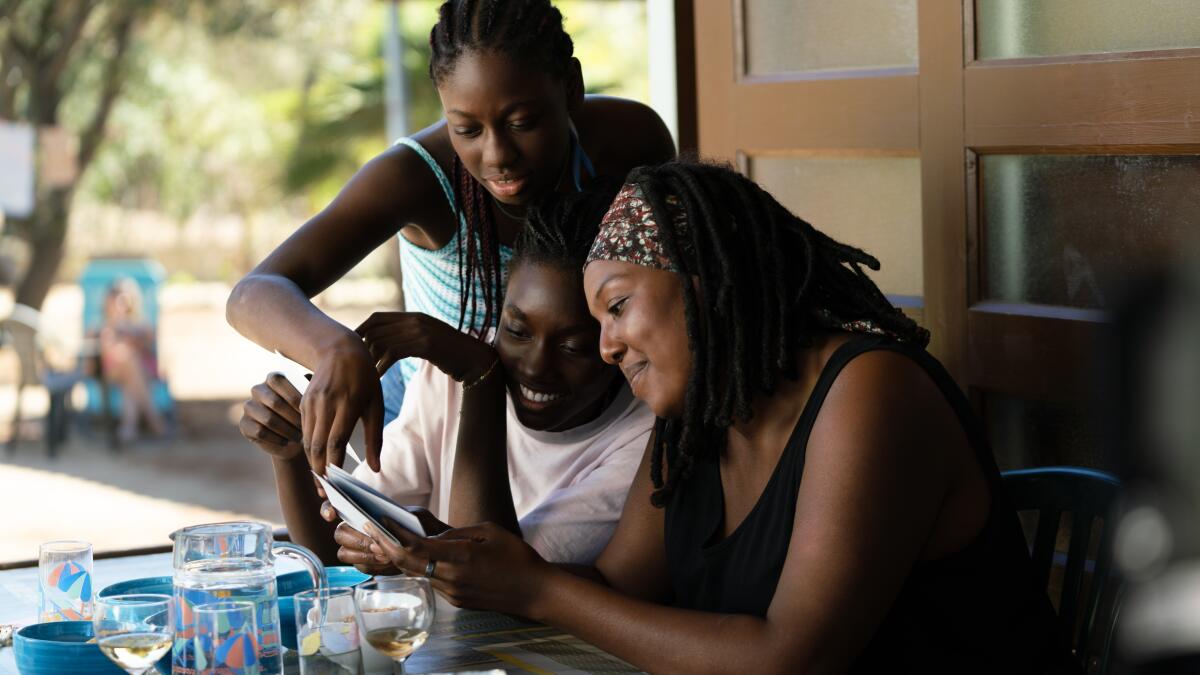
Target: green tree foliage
{"type": "Point", "coordinates": [234, 107]}
{"type": "Point", "coordinates": [67, 63]}
{"type": "Point", "coordinates": [343, 113]}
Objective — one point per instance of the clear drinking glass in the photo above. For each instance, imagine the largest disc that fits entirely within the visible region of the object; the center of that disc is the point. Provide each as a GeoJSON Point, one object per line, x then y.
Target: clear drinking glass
{"type": "Point", "coordinates": [65, 581]}
{"type": "Point", "coordinates": [225, 639]}
{"type": "Point", "coordinates": [396, 613]}
{"type": "Point", "coordinates": [134, 631]}
{"type": "Point", "coordinates": [327, 632]}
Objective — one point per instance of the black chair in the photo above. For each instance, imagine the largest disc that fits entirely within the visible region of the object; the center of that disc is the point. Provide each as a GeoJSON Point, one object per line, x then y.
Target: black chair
{"type": "Point", "coordinates": [1087, 495]}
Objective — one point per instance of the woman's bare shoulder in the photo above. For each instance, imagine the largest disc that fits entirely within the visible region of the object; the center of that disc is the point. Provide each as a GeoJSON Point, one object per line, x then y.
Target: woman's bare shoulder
{"type": "Point", "coordinates": [885, 402]}
{"type": "Point", "coordinates": [416, 196]}
{"type": "Point", "coordinates": [621, 133]}
{"type": "Point", "coordinates": [435, 138]}
{"type": "Point", "coordinates": [885, 375]}
{"type": "Point", "coordinates": [400, 161]}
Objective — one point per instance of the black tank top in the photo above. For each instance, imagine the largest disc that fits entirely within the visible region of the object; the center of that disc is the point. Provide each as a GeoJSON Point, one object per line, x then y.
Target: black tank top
{"type": "Point", "coordinates": [977, 610]}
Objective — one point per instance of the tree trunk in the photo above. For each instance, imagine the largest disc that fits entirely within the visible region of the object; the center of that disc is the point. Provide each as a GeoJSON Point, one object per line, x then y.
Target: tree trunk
{"type": "Point", "coordinates": [46, 230]}
{"type": "Point", "coordinates": [47, 239]}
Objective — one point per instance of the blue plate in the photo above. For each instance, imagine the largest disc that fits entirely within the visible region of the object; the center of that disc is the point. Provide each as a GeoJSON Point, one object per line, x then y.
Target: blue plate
{"type": "Point", "coordinates": [62, 648]}
{"type": "Point", "coordinates": [157, 585]}
{"type": "Point", "coordinates": [293, 582]}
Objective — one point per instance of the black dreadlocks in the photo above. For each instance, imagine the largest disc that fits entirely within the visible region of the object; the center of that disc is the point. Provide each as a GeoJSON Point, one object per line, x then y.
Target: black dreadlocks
{"type": "Point", "coordinates": [768, 278]}
{"type": "Point", "coordinates": [528, 31]}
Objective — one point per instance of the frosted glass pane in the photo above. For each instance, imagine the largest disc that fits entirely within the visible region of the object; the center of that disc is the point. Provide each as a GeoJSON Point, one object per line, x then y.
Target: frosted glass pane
{"type": "Point", "coordinates": [813, 35]}
{"type": "Point", "coordinates": [873, 203]}
{"type": "Point", "coordinates": [1019, 28]}
{"type": "Point", "coordinates": [1070, 230]}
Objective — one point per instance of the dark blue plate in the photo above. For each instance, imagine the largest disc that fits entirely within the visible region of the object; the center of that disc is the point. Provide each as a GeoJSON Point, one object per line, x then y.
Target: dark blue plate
{"type": "Point", "coordinates": [157, 585]}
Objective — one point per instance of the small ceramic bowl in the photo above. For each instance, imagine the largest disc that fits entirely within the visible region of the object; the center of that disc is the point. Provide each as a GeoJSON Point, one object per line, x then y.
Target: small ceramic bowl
{"type": "Point", "coordinates": [61, 648]}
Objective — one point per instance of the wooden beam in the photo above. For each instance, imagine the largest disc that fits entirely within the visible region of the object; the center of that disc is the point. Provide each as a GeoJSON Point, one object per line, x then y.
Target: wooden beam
{"type": "Point", "coordinates": [943, 181]}
{"type": "Point", "coordinates": [1113, 102]}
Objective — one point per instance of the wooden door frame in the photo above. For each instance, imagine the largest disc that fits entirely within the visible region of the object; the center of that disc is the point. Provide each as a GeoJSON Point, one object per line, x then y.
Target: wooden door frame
{"type": "Point", "coordinates": [951, 111]}
{"type": "Point", "coordinates": [947, 247]}
{"type": "Point", "coordinates": [1118, 103]}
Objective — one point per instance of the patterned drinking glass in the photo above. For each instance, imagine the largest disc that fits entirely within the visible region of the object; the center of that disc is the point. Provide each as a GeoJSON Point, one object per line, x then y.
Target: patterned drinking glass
{"type": "Point", "coordinates": [226, 639]}
{"type": "Point", "coordinates": [65, 581]}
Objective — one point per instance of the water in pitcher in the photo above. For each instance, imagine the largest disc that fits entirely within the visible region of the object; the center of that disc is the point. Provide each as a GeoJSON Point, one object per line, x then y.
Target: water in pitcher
{"type": "Point", "coordinates": [226, 579]}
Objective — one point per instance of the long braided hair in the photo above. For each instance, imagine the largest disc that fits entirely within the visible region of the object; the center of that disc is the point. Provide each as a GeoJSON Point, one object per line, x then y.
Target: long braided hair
{"type": "Point", "coordinates": [530, 32]}
{"type": "Point", "coordinates": [769, 280]}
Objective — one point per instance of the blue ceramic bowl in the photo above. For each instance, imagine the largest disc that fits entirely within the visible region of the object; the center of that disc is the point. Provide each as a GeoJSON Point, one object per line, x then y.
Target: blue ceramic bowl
{"type": "Point", "coordinates": [293, 582]}
{"type": "Point", "coordinates": [62, 648]}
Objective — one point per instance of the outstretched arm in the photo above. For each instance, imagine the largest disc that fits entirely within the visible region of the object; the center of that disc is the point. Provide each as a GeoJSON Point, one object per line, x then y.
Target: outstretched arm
{"type": "Point", "coordinates": [271, 305]}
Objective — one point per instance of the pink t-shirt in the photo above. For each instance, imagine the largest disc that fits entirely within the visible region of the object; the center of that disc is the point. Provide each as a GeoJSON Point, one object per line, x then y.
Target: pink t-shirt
{"type": "Point", "coordinates": [568, 487]}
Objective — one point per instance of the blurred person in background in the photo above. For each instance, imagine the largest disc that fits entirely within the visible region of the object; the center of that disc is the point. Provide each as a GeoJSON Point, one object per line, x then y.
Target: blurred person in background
{"type": "Point", "coordinates": [128, 360]}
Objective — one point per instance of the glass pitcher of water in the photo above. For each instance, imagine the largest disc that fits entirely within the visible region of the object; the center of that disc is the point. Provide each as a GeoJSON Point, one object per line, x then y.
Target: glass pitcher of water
{"type": "Point", "coordinates": [232, 561]}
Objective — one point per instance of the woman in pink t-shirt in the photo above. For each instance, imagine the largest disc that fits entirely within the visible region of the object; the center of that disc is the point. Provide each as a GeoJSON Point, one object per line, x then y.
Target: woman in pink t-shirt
{"type": "Point", "coordinates": [538, 406]}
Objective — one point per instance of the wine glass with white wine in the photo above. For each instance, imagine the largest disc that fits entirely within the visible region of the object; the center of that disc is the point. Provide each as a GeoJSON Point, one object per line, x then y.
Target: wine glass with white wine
{"type": "Point", "coordinates": [133, 631]}
{"type": "Point", "coordinates": [395, 613]}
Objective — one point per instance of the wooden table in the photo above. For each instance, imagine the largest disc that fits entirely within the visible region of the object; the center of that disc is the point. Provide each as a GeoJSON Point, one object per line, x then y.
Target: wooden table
{"type": "Point", "coordinates": [461, 640]}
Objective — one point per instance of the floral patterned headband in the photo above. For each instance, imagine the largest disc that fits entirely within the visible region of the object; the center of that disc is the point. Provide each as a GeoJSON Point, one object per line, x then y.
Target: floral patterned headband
{"type": "Point", "coordinates": [629, 232]}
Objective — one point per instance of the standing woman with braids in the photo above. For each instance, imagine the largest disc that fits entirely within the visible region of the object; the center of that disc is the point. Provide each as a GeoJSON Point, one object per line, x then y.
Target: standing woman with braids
{"type": "Point", "coordinates": [817, 496]}
{"type": "Point", "coordinates": [517, 126]}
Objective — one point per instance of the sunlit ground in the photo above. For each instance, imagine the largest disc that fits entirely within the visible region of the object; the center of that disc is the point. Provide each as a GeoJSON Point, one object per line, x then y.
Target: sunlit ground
{"type": "Point", "coordinates": [130, 501]}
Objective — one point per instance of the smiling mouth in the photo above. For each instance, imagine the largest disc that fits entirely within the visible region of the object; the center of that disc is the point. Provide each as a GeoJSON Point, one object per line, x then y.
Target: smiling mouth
{"type": "Point", "coordinates": [507, 185]}
{"type": "Point", "coordinates": [538, 399]}
{"type": "Point", "coordinates": [631, 372]}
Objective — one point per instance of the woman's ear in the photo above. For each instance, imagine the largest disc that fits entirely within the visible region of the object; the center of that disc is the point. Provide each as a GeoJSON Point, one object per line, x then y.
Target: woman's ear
{"type": "Point", "coordinates": [574, 85]}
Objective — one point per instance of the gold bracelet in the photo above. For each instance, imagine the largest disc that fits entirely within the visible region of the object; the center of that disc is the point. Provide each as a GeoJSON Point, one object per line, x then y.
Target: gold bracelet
{"type": "Point", "coordinates": [479, 380]}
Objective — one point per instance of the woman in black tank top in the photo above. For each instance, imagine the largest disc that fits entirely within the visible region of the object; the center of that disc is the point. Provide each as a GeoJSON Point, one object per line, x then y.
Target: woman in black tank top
{"type": "Point", "coordinates": [817, 496]}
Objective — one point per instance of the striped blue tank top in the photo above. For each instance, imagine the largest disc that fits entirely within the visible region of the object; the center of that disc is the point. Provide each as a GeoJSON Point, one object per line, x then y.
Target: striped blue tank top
{"type": "Point", "coordinates": [431, 279]}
